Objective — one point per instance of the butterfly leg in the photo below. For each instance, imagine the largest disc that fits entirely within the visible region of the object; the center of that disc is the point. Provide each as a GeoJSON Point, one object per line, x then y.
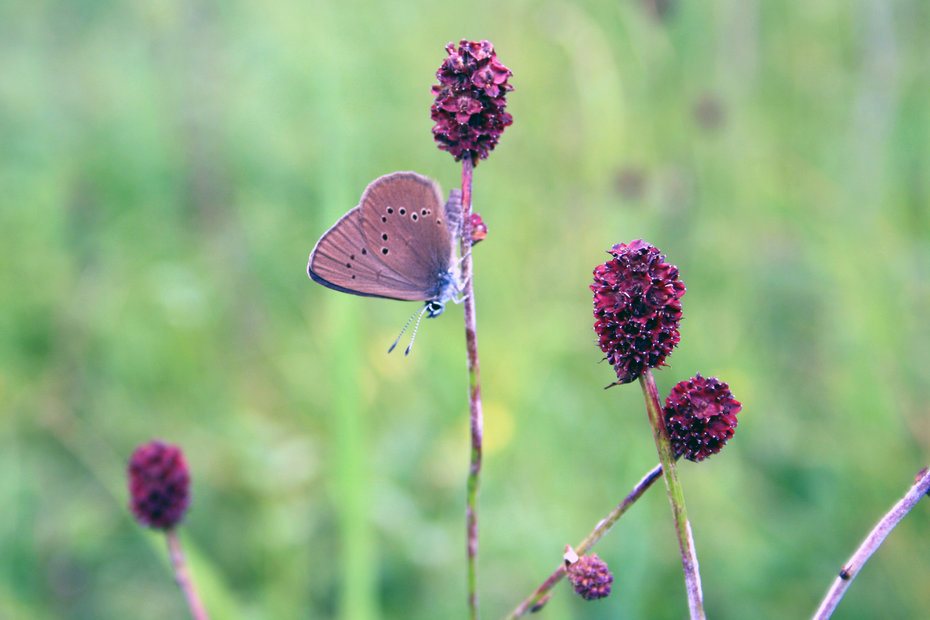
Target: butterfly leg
{"type": "Point", "coordinates": [459, 289]}
{"type": "Point", "coordinates": [459, 297]}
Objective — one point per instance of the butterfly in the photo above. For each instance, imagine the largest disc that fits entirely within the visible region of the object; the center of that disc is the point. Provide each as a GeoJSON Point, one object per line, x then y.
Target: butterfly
{"type": "Point", "coordinates": [398, 243]}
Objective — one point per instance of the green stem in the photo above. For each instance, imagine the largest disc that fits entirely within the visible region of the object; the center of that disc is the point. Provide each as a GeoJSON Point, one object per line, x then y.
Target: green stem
{"type": "Point", "coordinates": [675, 496]}
{"type": "Point", "coordinates": [474, 393]}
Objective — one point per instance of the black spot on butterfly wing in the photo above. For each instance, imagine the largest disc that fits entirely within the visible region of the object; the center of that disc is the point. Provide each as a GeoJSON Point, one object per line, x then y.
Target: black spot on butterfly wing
{"type": "Point", "coordinates": [341, 260]}
{"type": "Point", "coordinates": [421, 249]}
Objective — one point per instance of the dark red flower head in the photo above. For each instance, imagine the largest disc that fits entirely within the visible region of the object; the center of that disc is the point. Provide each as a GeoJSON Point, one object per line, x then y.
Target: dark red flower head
{"type": "Point", "coordinates": [637, 308]}
{"type": "Point", "coordinates": [158, 485]}
{"type": "Point", "coordinates": [590, 576]}
{"type": "Point", "coordinates": [700, 415]}
{"type": "Point", "coordinates": [470, 100]}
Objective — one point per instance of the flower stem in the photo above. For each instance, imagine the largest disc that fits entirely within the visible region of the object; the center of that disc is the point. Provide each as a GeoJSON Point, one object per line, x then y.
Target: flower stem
{"type": "Point", "coordinates": [675, 496]}
{"type": "Point", "coordinates": [871, 544]}
{"type": "Point", "coordinates": [182, 576]}
{"type": "Point", "coordinates": [535, 600]}
{"type": "Point", "coordinates": [474, 393]}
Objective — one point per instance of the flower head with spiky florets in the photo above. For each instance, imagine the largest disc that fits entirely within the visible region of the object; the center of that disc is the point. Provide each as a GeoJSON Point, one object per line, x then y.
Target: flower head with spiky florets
{"type": "Point", "coordinates": [159, 484]}
{"type": "Point", "coordinates": [590, 576]}
{"type": "Point", "coordinates": [700, 416]}
{"type": "Point", "coordinates": [469, 100]}
{"type": "Point", "coordinates": [637, 308]}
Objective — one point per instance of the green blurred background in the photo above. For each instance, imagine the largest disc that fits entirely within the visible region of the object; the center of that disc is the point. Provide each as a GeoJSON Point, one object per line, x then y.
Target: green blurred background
{"type": "Point", "coordinates": [165, 168]}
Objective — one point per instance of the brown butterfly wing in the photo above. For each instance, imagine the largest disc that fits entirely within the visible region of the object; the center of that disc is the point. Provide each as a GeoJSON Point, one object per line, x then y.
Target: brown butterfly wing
{"type": "Point", "coordinates": [404, 223]}
{"type": "Point", "coordinates": [341, 260]}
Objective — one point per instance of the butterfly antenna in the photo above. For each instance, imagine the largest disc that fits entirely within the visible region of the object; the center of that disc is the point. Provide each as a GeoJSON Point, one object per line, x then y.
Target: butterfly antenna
{"type": "Point", "coordinates": [405, 329]}
{"type": "Point", "coordinates": [415, 328]}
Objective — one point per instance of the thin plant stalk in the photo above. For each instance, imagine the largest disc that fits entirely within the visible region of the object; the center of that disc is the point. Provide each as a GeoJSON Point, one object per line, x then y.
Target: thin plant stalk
{"type": "Point", "coordinates": [871, 544]}
{"type": "Point", "coordinates": [474, 392]}
{"type": "Point", "coordinates": [535, 600]}
{"type": "Point", "coordinates": [676, 497]}
{"type": "Point", "coordinates": [182, 576]}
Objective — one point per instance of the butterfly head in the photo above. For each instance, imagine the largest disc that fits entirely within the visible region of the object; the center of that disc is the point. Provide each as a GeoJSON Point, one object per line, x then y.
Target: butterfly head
{"type": "Point", "coordinates": [449, 289]}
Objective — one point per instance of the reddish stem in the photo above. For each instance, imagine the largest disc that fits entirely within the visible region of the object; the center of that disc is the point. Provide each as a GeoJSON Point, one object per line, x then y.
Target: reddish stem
{"type": "Point", "coordinates": [182, 576]}
{"type": "Point", "coordinates": [474, 392]}
{"type": "Point", "coordinates": [871, 544]}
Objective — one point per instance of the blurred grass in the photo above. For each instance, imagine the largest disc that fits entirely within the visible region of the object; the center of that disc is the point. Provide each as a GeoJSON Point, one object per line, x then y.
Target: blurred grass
{"type": "Point", "coordinates": [166, 168]}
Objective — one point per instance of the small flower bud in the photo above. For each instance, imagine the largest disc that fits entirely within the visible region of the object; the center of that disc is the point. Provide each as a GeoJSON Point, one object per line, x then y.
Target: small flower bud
{"type": "Point", "coordinates": [637, 308]}
{"type": "Point", "coordinates": [158, 485]}
{"type": "Point", "coordinates": [590, 576]}
{"type": "Point", "coordinates": [700, 416]}
{"type": "Point", "coordinates": [479, 230]}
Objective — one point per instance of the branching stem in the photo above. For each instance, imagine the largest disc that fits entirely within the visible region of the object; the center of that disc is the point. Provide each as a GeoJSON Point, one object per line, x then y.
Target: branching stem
{"type": "Point", "coordinates": [535, 600]}
{"type": "Point", "coordinates": [676, 497]}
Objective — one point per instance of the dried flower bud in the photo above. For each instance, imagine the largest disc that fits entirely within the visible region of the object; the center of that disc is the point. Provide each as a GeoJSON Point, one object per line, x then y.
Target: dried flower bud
{"type": "Point", "coordinates": [590, 576]}
{"type": "Point", "coordinates": [158, 485]}
{"type": "Point", "coordinates": [637, 308]}
{"type": "Point", "coordinates": [469, 100]}
{"type": "Point", "coordinates": [700, 416]}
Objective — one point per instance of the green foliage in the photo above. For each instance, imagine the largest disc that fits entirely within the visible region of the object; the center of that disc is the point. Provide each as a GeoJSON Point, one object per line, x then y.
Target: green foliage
{"type": "Point", "coordinates": [165, 168]}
